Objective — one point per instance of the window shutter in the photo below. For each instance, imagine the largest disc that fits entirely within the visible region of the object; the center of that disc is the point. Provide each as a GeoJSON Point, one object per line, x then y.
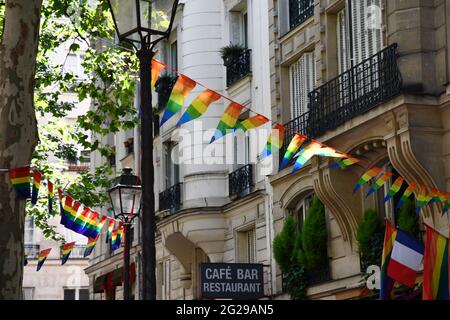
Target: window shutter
{"type": "Point", "coordinates": [342, 42]}
{"type": "Point", "coordinates": [302, 77]}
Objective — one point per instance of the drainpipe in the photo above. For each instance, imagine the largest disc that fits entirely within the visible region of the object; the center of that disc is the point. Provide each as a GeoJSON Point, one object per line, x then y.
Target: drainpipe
{"type": "Point", "coordinates": [268, 209]}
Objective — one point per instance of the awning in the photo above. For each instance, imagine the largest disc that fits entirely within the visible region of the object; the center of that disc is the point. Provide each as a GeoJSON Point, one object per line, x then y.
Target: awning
{"type": "Point", "coordinates": [113, 279]}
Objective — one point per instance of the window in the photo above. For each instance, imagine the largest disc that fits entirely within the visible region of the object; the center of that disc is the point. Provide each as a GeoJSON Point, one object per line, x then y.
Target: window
{"type": "Point", "coordinates": [302, 77]}
{"type": "Point", "coordinates": [302, 209]}
{"type": "Point", "coordinates": [363, 18]}
{"type": "Point", "coordinates": [27, 293]}
{"type": "Point", "coordinates": [239, 28]}
{"type": "Point", "coordinates": [174, 55]}
{"type": "Point", "coordinates": [163, 280]}
{"type": "Point", "coordinates": [84, 294]}
{"type": "Point", "coordinates": [73, 64]}
{"type": "Point", "coordinates": [172, 171]}
{"type": "Point", "coordinates": [76, 294]}
{"type": "Point", "coordinates": [29, 230]}
{"type": "Point", "coordinates": [69, 294]}
{"type": "Point", "coordinates": [246, 246]}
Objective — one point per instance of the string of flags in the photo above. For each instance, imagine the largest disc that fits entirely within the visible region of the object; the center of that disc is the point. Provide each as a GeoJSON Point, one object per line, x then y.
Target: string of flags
{"type": "Point", "coordinates": [301, 148]}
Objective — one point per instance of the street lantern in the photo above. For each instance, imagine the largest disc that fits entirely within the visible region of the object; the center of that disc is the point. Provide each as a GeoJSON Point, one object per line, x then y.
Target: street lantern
{"type": "Point", "coordinates": [125, 196]}
{"type": "Point", "coordinates": [143, 23]}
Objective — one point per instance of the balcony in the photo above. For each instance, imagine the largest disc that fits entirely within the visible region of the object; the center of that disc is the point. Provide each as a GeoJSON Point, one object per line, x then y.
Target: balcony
{"type": "Point", "coordinates": [32, 251]}
{"type": "Point", "coordinates": [238, 67]}
{"type": "Point", "coordinates": [372, 82]}
{"type": "Point", "coordinates": [240, 181]}
{"type": "Point", "coordinates": [299, 11]}
{"type": "Point", "coordinates": [77, 252]}
{"type": "Point", "coordinates": [170, 199]}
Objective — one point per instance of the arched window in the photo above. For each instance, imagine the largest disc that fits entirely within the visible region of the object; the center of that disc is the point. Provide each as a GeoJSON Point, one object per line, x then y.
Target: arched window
{"type": "Point", "coordinates": [299, 208]}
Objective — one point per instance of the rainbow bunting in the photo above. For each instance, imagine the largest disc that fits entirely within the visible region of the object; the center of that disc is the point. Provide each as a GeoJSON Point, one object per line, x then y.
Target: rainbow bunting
{"type": "Point", "coordinates": [20, 179]}
{"type": "Point", "coordinates": [37, 177]}
{"type": "Point", "coordinates": [114, 245]}
{"type": "Point", "coordinates": [90, 246]}
{"type": "Point", "coordinates": [199, 106]}
{"type": "Point", "coordinates": [435, 266]}
{"type": "Point", "coordinates": [61, 208]}
{"type": "Point", "coordinates": [180, 91]}
{"type": "Point", "coordinates": [293, 147]}
{"type": "Point", "coordinates": [386, 282]}
{"type": "Point", "coordinates": [274, 142]}
{"type": "Point", "coordinates": [111, 224]}
{"type": "Point", "coordinates": [72, 216]}
{"type": "Point", "coordinates": [228, 121]}
{"type": "Point", "coordinates": [157, 68]}
{"type": "Point", "coordinates": [65, 213]}
{"type": "Point", "coordinates": [422, 199]}
{"type": "Point", "coordinates": [329, 152]}
{"type": "Point", "coordinates": [66, 250]}
{"type": "Point", "coordinates": [99, 225]}
{"type": "Point", "coordinates": [251, 123]}
{"type": "Point", "coordinates": [434, 196]}
{"type": "Point", "coordinates": [42, 257]}
{"type": "Point", "coordinates": [305, 154]}
{"type": "Point", "coordinates": [344, 163]}
{"type": "Point", "coordinates": [446, 207]}
{"type": "Point", "coordinates": [396, 186]}
{"type": "Point", "coordinates": [407, 194]}
{"type": "Point", "coordinates": [371, 173]}
{"type": "Point", "coordinates": [50, 196]}
{"type": "Point", "coordinates": [379, 183]}
{"type": "Point", "coordinates": [89, 228]}
{"type": "Point", "coordinates": [82, 220]}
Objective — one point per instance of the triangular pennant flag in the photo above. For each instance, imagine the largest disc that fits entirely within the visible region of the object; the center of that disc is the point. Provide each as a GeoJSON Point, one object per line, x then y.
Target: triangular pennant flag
{"type": "Point", "coordinates": [43, 254]}
{"type": "Point", "coordinates": [90, 246]}
{"type": "Point", "coordinates": [251, 123]}
{"type": "Point", "coordinates": [228, 121]}
{"type": "Point", "coordinates": [37, 177]}
{"type": "Point", "coordinates": [379, 183]}
{"type": "Point", "coordinates": [66, 250]}
{"type": "Point", "coordinates": [66, 213]}
{"type": "Point", "coordinates": [72, 216]}
{"type": "Point", "coordinates": [50, 196]}
{"type": "Point", "coordinates": [412, 186]}
{"type": "Point", "coordinates": [20, 179]}
{"type": "Point", "coordinates": [395, 188]}
{"type": "Point", "coordinates": [114, 245]}
{"type": "Point", "coordinates": [89, 229]}
{"type": "Point", "coordinates": [180, 91]}
{"type": "Point", "coordinates": [434, 196]}
{"type": "Point", "coordinates": [330, 152]}
{"type": "Point", "coordinates": [199, 106]}
{"type": "Point", "coordinates": [82, 220]}
{"type": "Point", "coordinates": [110, 229]}
{"type": "Point", "coordinates": [293, 147]}
{"type": "Point", "coordinates": [371, 173]}
{"type": "Point", "coordinates": [422, 199]}
{"type": "Point", "coordinates": [344, 163]}
{"type": "Point", "coordinates": [157, 68]}
{"type": "Point", "coordinates": [99, 225]}
{"type": "Point", "coordinates": [305, 154]}
{"type": "Point", "coordinates": [274, 142]}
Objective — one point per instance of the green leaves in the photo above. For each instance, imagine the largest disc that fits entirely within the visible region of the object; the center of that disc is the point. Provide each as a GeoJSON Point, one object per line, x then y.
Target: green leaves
{"type": "Point", "coordinates": [369, 237]}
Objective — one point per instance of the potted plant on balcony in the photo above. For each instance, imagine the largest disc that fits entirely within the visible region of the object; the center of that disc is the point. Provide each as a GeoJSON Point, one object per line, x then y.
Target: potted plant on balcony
{"type": "Point", "coordinates": [408, 220]}
{"type": "Point", "coordinates": [231, 52]}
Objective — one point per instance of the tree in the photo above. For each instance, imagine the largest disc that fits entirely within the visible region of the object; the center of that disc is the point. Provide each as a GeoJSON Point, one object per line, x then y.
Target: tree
{"type": "Point", "coordinates": [18, 52]}
{"type": "Point", "coordinates": [369, 237]}
{"type": "Point", "coordinates": [32, 30]}
{"type": "Point", "coordinates": [408, 221]}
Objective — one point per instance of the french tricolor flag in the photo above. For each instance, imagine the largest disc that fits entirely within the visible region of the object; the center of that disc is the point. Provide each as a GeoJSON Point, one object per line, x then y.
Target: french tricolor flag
{"type": "Point", "coordinates": [406, 258]}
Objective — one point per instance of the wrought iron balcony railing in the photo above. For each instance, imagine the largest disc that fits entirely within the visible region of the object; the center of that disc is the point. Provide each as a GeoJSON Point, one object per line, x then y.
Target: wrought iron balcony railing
{"type": "Point", "coordinates": [77, 252]}
{"type": "Point", "coordinates": [32, 251]}
{"type": "Point", "coordinates": [170, 199]}
{"type": "Point", "coordinates": [240, 181]}
{"type": "Point", "coordinates": [239, 67]}
{"type": "Point", "coordinates": [299, 11]}
{"type": "Point", "coordinates": [354, 92]}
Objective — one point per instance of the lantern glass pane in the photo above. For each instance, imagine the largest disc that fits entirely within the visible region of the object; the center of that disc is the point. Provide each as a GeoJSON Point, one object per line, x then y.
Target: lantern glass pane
{"type": "Point", "coordinates": [125, 14]}
{"type": "Point", "coordinates": [155, 14]}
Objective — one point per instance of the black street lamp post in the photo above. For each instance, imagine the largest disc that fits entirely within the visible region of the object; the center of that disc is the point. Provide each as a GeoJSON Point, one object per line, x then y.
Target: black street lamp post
{"type": "Point", "coordinates": [125, 196]}
{"type": "Point", "coordinates": [143, 23]}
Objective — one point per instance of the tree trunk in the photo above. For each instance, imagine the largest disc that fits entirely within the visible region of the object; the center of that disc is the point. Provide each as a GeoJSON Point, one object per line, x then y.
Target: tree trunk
{"type": "Point", "coordinates": [18, 131]}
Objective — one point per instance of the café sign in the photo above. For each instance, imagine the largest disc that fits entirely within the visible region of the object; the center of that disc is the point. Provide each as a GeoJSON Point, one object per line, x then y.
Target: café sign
{"type": "Point", "coordinates": [231, 281]}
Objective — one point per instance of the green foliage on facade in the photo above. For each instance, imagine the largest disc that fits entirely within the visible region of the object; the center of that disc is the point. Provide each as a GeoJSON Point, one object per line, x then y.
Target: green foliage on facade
{"type": "Point", "coordinates": [407, 218]}
{"type": "Point", "coordinates": [315, 237]}
{"type": "Point", "coordinates": [369, 237]}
